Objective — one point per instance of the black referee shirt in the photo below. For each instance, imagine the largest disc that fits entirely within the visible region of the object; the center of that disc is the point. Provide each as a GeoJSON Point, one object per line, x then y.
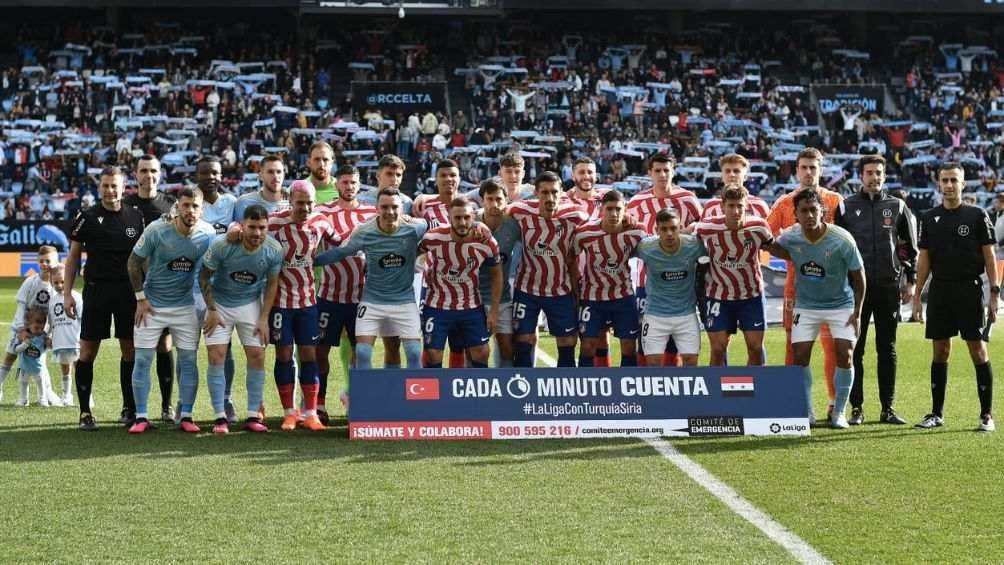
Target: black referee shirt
{"type": "Point", "coordinates": [107, 237]}
{"type": "Point", "coordinates": [954, 241]}
{"type": "Point", "coordinates": [152, 208]}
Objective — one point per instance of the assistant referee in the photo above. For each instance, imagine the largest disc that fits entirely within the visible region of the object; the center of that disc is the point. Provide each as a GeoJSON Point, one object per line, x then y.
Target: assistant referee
{"type": "Point", "coordinates": [882, 226]}
{"type": "Point", "coordinates": [107, 233]}
{"type": "Point", "coordinates": [956, 248]}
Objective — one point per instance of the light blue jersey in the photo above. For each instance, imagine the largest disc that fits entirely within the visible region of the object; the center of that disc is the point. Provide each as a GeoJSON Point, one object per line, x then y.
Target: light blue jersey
{"type": "Point", "coordinates": [173, 262]}
{"type": "Point", "coordinates": [390, 260]}
{"type": "Point", "coordinates": [250, 199]}
{"type": "Point", "coordinates": [821, 268]}
{"type": "Point", "coordinates": [220, 213]}
{"type": "Point", "coordinates": [240, 275]}
{"type": "Point", "coordinates": [369, 197]}
{"type": "Point", "coordinates": [670, 283]}
{"type": "Point", "coordinates": [509, 238]}
{"type": "Point", "coordinates": [30, 359]}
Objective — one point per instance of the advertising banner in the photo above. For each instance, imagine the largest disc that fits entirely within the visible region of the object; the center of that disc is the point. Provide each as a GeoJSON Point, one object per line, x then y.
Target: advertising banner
{"type": "Point", "coordinates": [28, 235]}
{"type": "Point", "coordinates": [524, 403]}
{"type": "Point", "coordinates": [401, 97]}
{"type": "Point", "coordinates": [867, 98]}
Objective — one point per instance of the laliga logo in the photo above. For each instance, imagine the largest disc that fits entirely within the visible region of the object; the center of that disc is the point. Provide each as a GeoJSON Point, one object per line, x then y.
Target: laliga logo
{"type": "Point", "coordinates": [518, 387]}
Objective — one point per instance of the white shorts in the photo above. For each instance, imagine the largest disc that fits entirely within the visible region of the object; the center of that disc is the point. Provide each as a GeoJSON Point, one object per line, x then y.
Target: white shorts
{"type": "Point", "coordinates": [200, 308]}
{"type": "Point", "coordinates": [12, 342]}
{"type": "Point", "coordinates": [179, 320]}
{"type": "Point", "coordinates": [806, 323]}
{"type": "Point", "coordinates": [66, 356]}
{"type": "Point", "coordinates": [388, 320]}
{"type": "Point", "coordinates": [685, 331]}
{"type": "Point", "coordinates": [504, 325]}
{"type": "Point", "coordinates": [243, 318]}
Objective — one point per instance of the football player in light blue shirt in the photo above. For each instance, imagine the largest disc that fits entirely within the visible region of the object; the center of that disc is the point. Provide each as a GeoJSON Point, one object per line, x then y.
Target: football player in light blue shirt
{"type": "Point", "coordinates": [388, 305]}
{"type": "Point", "coordinates": [507, 234]}
{"type": "Point", "coordinates": [217, 207]}
{"type": "Point", "coordinates": [234, 277]}
{"type": "Point", "coordinates": [670, 259]}
{"type": "Point", "coordinates": [167, 256]}
{"type": "Point", "coordinates": [271, 196]}
{"type": "Point", "coordinates": [829, 289]}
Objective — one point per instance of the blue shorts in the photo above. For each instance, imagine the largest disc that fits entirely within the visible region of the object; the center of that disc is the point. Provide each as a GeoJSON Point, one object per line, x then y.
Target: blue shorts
{"type": "Point", "coordinates": [596, 315]}
{"type": "Point", "coordinates": [727, 315]}
{"type": "Point", "coordinates": [468, 325]}
{"type": "Point", "coordinates": [455, 338]}
{"type": "Point", "coordinates": [641, 300]}
{"type": "Point", "coordinates": [294, 325]}
{"type": "Point", "coordinates": [332, 318]}
{"type": "Point", "coordinates": [560, 312]}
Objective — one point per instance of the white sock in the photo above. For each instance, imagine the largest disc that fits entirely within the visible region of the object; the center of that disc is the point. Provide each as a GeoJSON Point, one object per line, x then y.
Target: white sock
{"type": "Point", "coordinates": [23, 381]}
{"type": "Point", "coordinates": [4, 371]}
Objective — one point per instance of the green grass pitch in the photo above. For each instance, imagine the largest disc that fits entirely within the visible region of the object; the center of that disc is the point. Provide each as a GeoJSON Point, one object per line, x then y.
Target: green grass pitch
{"type": "Point", "coordinates": [871, 494]}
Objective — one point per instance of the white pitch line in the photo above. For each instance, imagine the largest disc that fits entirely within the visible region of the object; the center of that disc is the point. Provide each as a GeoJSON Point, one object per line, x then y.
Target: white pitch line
{"type": "Point", "coordinates": [796, 546]}
{"type": "Point", "coordinates": [777, 533]}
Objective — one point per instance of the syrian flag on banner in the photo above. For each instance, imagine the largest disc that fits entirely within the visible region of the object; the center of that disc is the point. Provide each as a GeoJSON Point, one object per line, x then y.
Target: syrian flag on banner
{"type": "Point", "coordinates": [737, 386]}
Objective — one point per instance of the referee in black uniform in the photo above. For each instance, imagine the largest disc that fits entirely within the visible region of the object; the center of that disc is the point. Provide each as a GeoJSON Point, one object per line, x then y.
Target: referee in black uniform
{"type": "Point", "coordinates": [153, 204]}
{"type": "Point", "coordinates": [107, 232]}
{"type": "Point", "coordinates": [882, 225]}
{"type": "Point", "coordinates": [956, 248]}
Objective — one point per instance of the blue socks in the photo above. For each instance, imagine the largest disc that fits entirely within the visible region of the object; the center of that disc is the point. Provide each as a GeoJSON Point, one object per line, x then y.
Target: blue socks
{"type": "Point", "coordinates": [843, 379]}
{"type": "Point", "coordinates": [413, 353]}
{"type": "Point", "coordinates": [629, 360]}
{"type": "Point", "coordinates": [188, 385]}
{"type": "Point", "coordinates": [478, 365]}
{"type": "Point", "coordinates": [523, 354]}
{"type": "Point", "coordinates": [216, 381]}
{"type": "Point", "coordinates": [364, 355]}
{"type": "Point", "coordinates": [285, 372]}
{"type": "Point", "coordinates": [584, 360]}
{"type": "Point", "coordinates": [255, 385]}
{"type": "Point", "coordinates": [566, 356]}
{"type": "Point", "coordinates": [141, 379]}
{"type": "Point", "coordinates": [309, 373]}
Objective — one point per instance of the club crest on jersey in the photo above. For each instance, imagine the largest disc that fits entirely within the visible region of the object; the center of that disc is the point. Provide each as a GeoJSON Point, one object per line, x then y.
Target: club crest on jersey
{"type": "Point", "coordinates": [671, 276]}
{"type": "Point", "coordinates": [130, 232]}
{"type": "Point", "coordinates": [813, 269]}
{"type": "Point", "coordinates": [244, 277]}
{"type": "Point", "coordinates": [181, 265]}
{"type": "Point", "coordinates": [391, 261]}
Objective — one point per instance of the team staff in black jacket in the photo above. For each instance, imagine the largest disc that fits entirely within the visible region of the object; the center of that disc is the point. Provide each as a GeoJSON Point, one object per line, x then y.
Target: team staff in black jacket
{"type": "Point", "coordinates": [884, 230]}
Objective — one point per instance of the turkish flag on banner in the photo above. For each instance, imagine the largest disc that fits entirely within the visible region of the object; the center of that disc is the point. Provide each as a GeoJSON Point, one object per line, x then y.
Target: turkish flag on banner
{"type": "Point", "coordinates": [421, 389]}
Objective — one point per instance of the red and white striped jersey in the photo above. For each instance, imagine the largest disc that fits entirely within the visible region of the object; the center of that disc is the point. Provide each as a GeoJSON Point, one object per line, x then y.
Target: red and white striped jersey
{"type": "Point", "coordinates": [546, 246]}
{"type": "Point", "coordinates": [735, 257]}
{"type": "Point", "coordinates": [434, 211]}
{"type": "Point", "coordinates": [755, 206]}
{"type": "Point", "coordinates": [645, 205]}
{"type": "Point", "coordinates": [592, 206]}
{"type": "Point", "coordinates": [606, 272]}
{"type": "Point", "coordinates": [299, 245]}
{"type": "Point", "coordinates": [452, 271]}
{"type": "Point", "coordinates": [342, 281]}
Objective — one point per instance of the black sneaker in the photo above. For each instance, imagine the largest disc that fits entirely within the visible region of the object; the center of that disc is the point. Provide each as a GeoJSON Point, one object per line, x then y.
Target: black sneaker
{"type": "Point", "coordinates": [930, 421]}
{"type": "Point", "coordinates": [167, 414]}
{"type": "Point", "coordinates": [127, 417]}
{"type": "Point", "coordinates": [857, 416]}
{"type": "Point", "coordinates": [87, 423]}
{"type": "Point", "coordinates": [889, 416]}
{"type": "Point", "coordinates": [323, 416]}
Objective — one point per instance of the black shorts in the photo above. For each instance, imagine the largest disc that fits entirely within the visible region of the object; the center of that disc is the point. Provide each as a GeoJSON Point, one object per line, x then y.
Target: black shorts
{"type": "Point", "coordinates": [955, 308]}
{"type": "Point", "coordinates": [104, 300]}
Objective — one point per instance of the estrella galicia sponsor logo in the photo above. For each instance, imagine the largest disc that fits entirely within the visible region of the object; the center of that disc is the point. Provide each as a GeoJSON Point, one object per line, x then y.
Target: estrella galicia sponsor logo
{"type": "Point", "coordinates": [716, 426]}
{"type": "Point", "coordinates": [813, 269]}
{"type": "Point", "coordinates": [671, 276]}
{"type": "Point", "coordinates": [391, 261]}
{"type": "Point", "coordinates": [181, 265]}
{"type": "Point", "coordinates": [776, 428]}
{"type": "Point", "coordinates": [244, 277]}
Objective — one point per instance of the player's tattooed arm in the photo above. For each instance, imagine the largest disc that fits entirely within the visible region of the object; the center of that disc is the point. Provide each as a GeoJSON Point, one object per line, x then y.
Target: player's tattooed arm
{"type": "Point", "coordinates": [206, 286]}
{"type": "Point", "coordinates": [136, 266]}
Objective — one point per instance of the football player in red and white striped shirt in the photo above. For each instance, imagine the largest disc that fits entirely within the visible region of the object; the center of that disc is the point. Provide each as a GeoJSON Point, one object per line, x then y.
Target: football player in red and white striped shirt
{"type": "Point", "coordinates": [644, 207]}
{"type": "Point", "coordinates": [606, 295]}
{"type": "Point", "coordinates": [341, 283]}
{"type": "Point", "coordinates": [735, 167]}
{"type": "Point", "coordinates": [735, 283]}
{"type": "Point", "coordinates": [300, 230]}
{"type": "Point", "coordinates": [453, 304]}
{"type": "Point", "coordinates": [585, 193]}
{"type": "Point", "coordinates": [548, 275]}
